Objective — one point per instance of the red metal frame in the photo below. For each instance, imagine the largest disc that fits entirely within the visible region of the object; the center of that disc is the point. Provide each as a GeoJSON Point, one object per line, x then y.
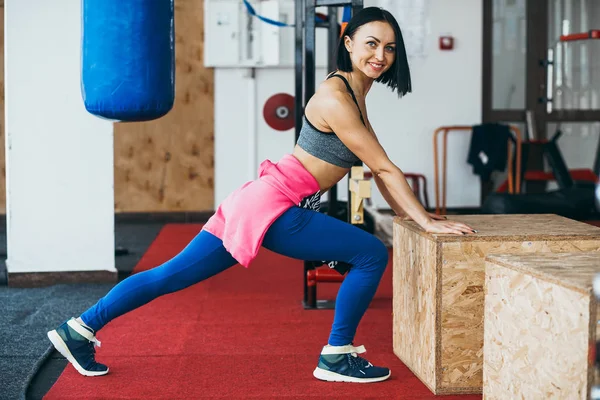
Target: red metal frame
{"type": "Point", "coordinates": [512, 187]}
{"type": "Point", "coordinates": [323, 274]}
{"type": "Point", "coordinates": [593, 34]}
{"type": "Point", "coordinates": [582, 174]}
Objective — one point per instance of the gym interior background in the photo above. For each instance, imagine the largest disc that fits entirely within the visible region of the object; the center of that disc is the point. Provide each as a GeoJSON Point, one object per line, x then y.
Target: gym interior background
{"type": "Point", "coordinates": [84, 198]}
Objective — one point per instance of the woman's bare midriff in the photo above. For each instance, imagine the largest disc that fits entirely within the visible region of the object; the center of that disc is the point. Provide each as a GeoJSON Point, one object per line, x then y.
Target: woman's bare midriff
{"type": "Point", "coordinates": [326, 174]}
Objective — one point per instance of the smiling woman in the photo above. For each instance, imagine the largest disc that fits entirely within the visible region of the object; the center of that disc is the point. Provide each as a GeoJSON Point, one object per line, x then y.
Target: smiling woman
{"type": "Point", "coordinates": [278, 210]}
{"type": "Point", "coordinates": [337, 132]}
{"type": "Point", "coordinates": [377, 31]}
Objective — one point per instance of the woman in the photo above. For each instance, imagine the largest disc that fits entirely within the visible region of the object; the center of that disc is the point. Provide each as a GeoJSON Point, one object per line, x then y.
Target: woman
{"type": "Point", "coordinates": [275, 210]}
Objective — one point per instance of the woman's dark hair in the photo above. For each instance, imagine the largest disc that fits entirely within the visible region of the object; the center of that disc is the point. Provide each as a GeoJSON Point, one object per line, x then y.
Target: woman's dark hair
{"type": "Point", "coordinates": [398, 76]}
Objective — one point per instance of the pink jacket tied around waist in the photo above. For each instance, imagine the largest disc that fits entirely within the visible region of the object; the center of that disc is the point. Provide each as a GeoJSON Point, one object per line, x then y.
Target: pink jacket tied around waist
{"type": "Point", "coordinates": [243, 218]}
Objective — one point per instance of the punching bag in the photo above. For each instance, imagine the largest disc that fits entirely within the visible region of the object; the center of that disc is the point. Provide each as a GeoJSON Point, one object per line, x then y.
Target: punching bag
{"type": "Point", "coordinates": [128, 58]}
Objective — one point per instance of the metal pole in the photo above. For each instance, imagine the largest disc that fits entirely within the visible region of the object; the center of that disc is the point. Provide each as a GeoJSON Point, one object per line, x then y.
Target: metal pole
{"type": "Point", "coordinates": [309, 50]}
{"type": "Point", "coordinates": [357, 5]}
{"type": "Point", "coordinates": [299, 65]}
{"type": "Point", "coordinates": [299, 102]}
{"type": "Point", "coordinates": [305, 67]}
{"type": "Point", "coordinates": [310, 299]}
{"type": "Point", "coordinates": [332, 41]}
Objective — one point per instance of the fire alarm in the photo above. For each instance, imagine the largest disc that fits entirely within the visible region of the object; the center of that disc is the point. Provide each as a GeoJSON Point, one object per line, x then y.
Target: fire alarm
{"type": "Point", "coordinates": [446, 42]}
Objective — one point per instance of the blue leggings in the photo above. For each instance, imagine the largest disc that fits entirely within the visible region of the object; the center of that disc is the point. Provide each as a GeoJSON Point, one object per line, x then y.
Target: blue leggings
{"type": "Point", "coordinates": [299, 233]}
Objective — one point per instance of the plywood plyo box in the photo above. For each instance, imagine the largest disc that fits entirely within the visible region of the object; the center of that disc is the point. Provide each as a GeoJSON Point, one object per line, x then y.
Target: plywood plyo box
{"type": "Point", "coordinates": [540, 324]}
{"type": "Point", "coordinates": [438, 289]}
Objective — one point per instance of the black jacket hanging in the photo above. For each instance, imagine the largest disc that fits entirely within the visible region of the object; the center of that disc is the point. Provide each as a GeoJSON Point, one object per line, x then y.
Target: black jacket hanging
{"type": "Point", "coordinates": [488, 150]}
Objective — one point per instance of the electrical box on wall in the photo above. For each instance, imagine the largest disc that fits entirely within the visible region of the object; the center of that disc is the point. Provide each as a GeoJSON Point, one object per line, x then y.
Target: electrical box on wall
{"type": "Point", "coordinates": [221, 33]}
{"type": "Point", "coordinates": [233, 37]}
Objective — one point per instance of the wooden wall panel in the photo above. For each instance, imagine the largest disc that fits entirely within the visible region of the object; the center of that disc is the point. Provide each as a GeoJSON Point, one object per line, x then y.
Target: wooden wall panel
{"type": "Point", "coordinates": [168, 164]}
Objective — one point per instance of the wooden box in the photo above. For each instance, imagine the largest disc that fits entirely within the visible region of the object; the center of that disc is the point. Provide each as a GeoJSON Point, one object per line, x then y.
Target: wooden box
{"type": "Point", "coordinates": [540, 326]}
{"type": "Point", "coordinates": [438, 289]}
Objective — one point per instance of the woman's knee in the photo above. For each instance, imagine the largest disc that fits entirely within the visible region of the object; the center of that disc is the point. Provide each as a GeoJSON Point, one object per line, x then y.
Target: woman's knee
{"type": "Point", "coordinates": [375, 256]}
{"type": "Point", "coordinates": [381, 254]}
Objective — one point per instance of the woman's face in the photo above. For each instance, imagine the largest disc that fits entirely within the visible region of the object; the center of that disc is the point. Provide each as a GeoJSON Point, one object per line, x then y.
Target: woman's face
{"type": "Point", "coordinates": [373, 48]}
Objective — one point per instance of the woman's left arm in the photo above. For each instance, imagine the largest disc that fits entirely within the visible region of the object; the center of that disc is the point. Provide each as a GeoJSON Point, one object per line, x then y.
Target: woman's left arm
{"type": "Point", "coordinates": [387, 197]}
{"type": "Point", "coordinates": [394, 204]}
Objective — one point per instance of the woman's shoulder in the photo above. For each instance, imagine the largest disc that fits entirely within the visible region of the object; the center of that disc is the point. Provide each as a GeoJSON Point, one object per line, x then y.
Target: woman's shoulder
{"type": "Point", "coordinates": [331, 84]}
{"type": "Point", "coordinates": [331, 91]}
{"type": "Point", "coordinates": [330, 97]}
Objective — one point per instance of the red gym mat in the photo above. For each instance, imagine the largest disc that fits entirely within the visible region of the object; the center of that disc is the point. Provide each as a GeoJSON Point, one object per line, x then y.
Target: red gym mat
{"type": "Point", "coordinates": [239, 335]}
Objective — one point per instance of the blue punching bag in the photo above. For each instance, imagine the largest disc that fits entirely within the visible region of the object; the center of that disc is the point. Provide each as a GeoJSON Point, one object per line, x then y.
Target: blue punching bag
{"type": "Point", "coordinates": [128, 58]}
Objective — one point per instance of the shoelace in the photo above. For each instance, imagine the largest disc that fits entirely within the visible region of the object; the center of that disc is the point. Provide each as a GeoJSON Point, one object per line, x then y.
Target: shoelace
{"type": "Point", "coordinates": [90, 358]}
{"type": "Point", "coordinates": [91, 348]}
{"type": "Point", "coordinates": [357, 362]}
{"type": "Point", "coordinates": [93, 342]}
{"type": "Point", "coordinates": [96, 342]}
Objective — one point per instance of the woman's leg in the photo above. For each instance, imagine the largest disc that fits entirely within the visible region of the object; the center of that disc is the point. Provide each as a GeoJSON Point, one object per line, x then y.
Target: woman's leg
{"type": "Point", "coordinates": [309, 235]}
{"type": "Point", "coordinates": [202, 258]}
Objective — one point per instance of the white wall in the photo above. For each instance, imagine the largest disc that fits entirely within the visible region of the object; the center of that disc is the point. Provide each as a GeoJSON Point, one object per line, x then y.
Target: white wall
{"type": "Point", "coordinates": [447, 91]}
{"type": "Point", "coordinates": [59, 158]}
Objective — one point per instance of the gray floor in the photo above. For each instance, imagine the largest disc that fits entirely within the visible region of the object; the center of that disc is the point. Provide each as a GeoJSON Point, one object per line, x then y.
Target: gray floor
{"type": "Point", "coordinates": [27, 314]}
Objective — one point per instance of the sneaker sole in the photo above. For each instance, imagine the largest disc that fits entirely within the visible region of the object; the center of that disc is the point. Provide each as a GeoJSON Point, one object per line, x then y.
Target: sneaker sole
{"type": "Point", "coordinates": [329, 376]}
{"type": "Point", "coordinates": [62, 348]}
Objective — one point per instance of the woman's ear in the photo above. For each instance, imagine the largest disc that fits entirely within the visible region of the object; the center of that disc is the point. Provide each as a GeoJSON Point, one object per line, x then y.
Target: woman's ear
{"type": "Point", "coordinates": [348, 43]}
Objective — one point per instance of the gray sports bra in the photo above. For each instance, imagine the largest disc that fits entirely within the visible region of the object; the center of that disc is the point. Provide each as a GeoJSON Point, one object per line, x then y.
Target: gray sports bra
{"type": "Point", "coordinates": [326, 145]}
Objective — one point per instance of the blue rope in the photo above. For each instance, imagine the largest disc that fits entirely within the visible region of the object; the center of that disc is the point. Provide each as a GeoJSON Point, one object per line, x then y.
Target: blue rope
{"type": "Point", "coordinates": [251, 11]}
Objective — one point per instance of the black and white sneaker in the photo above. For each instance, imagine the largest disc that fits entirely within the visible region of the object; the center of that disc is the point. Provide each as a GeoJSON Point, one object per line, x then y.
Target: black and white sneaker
{"type": "Point", "coordinates": [77, 343]}
{"type": "Point", "coordinates": [343, 364]}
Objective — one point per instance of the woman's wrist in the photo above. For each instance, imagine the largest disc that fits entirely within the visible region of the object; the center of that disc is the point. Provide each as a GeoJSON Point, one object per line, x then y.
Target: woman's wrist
{"type": "Point", "coordinates": [424, 221]}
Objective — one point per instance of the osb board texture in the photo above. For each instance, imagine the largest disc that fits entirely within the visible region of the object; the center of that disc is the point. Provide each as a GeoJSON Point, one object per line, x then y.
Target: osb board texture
{"type": "Point", "coordinates": [414, 308]}
{"type": "Point", "coordinates": [512, 227]}
{"type": "Point", "coordinates": [462, 297]}
{"type": "Point", "coordinates": [537, 336]}
{"type": "Point", "coordinates": [575, 271]}
{"type": "Point", "coordinates": [168, 164]}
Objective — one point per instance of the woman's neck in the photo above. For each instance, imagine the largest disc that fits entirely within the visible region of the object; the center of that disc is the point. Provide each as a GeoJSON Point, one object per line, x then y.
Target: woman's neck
{"type": "Point", "coordinates": [359, 82]}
